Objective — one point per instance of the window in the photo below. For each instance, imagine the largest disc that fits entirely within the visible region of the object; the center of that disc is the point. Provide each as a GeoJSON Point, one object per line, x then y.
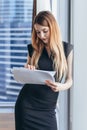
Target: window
{"type": "Point", "coordinates": [15, 34]}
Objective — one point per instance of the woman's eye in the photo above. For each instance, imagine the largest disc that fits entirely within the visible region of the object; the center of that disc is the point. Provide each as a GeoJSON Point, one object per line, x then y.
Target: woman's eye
{"type": "Point", "coordinates": [45, 31]}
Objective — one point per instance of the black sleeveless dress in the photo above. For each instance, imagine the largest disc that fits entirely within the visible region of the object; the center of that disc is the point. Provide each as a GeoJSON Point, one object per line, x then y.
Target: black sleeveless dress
{"type": "Point", "coordinates": [36, 104]}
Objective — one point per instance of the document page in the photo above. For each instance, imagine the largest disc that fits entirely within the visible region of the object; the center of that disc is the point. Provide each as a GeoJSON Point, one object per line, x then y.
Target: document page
{"type": "Point", "coordinates": [26, 76]}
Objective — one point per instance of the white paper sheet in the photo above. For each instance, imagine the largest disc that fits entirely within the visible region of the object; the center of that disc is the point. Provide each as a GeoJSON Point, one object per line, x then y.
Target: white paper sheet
{"type": "Point", "coordinates": [24, 75]}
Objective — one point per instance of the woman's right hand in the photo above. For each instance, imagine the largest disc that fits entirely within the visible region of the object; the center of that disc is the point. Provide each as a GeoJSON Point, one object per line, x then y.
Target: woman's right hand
{"type": "Point", "coordinates": [30, 67]}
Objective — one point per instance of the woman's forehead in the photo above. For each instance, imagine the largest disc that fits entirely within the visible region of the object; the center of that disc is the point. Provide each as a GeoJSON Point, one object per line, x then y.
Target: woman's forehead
{"type": "Point", "coordinates": [40, 27]}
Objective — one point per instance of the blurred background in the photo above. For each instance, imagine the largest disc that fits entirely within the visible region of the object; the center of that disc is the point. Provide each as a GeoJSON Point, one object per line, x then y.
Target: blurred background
{"type": "Point", "coordinates": [16, 17]}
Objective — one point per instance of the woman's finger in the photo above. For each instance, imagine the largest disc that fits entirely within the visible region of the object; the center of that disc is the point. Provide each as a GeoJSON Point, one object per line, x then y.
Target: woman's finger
{"type": "Point", "coordinates": [31, 67]}
{"type": "Point", "coordinates": [50, 83]}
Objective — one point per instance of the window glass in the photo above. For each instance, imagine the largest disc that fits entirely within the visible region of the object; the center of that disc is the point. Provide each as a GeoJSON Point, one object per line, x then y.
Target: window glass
{"type": "Point", "coordinates": [15, 34]}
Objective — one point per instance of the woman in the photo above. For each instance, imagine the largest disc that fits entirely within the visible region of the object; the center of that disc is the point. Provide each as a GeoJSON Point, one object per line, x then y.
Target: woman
{"type": "Point", "coordinates": [36, 104]}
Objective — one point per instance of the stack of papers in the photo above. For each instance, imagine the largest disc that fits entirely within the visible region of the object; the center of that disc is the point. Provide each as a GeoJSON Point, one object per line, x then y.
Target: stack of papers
{"type": "Point", "coordinates": [26, 76]}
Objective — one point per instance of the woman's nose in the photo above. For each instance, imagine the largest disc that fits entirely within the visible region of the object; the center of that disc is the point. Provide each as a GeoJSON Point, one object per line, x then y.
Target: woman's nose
{"type": "Point", "coordinates": [42, 35]}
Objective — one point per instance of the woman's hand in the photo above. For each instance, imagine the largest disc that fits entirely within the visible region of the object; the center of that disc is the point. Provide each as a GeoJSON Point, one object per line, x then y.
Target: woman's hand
{"type": "Point", "coordinates": [30, 67]}
{"type": "Point", "coordinates": [55, 86]}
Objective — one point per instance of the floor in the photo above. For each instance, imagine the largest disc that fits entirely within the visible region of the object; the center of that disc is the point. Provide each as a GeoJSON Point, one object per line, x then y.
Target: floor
{"type": "Point", "coordinates": [7, 121]}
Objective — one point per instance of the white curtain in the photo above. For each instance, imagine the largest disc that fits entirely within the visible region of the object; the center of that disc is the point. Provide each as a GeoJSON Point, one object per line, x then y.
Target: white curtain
{"type": "Point", "coordinates": [43, 5]}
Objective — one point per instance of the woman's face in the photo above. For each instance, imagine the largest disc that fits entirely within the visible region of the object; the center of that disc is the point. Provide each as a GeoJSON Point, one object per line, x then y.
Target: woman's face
{"type": "Point", "coordinates": [42, 32]}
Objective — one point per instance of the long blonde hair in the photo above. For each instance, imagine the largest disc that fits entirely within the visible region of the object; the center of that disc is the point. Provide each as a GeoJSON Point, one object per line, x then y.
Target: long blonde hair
{"type": "Point", "coordinates": [45, 18]}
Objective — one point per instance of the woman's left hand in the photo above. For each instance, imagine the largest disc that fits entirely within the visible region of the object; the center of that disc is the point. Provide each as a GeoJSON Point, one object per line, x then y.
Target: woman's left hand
{"type": "Point", "coordinates": [55, 86]}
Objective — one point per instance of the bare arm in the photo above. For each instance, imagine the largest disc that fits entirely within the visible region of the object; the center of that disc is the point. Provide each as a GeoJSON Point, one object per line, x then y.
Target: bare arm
{"type": "Point", "coordinates": [70, 69]}
{"type": "Point", "coordinates": [28, 61]}
{"type": "Point", "coordinates": [68, 81]}
{"type": "Point", "coordinates": [56, 86]}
